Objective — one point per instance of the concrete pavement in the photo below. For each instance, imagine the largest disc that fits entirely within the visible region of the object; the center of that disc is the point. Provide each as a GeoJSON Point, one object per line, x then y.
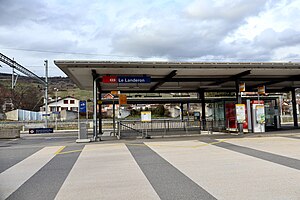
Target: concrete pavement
{"type": "Point", "coordinates": [208, 167]}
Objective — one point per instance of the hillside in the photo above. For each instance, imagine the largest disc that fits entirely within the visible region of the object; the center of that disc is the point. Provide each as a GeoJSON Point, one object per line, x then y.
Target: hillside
{"type": "Point", "coordinates": [27, 87]}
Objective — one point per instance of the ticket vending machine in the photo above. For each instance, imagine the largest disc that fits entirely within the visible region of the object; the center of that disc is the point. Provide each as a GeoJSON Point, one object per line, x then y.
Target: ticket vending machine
{"type": "Point", "coordinates": [272, 115]}
{"type": "Point", "coordinates": [258, 116]}
{"type": "Point", "coordinates": [196, 116]}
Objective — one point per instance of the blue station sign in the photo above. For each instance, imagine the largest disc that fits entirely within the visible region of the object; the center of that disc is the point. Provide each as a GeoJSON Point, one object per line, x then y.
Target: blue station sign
{"type": "Point", "coordinates": [134, 79]}
{"type": "Point", "coordinates": [82, 106]}
{"type": "Point", "coordinates": [126, 79]}
{"type": "Point", "coordinates": [40, 130]}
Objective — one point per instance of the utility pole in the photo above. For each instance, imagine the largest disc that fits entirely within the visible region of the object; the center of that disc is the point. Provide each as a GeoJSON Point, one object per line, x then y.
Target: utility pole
{"type": "Point", "coordinates": [46, 93]}
{"type": "Point", "coordinates": [56, 108]}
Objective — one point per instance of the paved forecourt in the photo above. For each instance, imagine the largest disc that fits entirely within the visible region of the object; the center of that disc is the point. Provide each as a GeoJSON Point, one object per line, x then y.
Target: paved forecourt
{"type": "Point", "coordinates": [231, 174]}
{"type": "Point", "coordinates": [206, 168]}
{"type": "Point", "coordinates": [12, 178]}
{"type": "Point", "coordinates": [106, 171]}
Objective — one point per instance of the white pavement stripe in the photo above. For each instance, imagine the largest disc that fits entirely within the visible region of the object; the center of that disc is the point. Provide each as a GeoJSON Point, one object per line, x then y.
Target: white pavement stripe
{"type": "Point", "coordinates": [12, 178]}
{"type": "Point", "coordinates": [276, 145]}
{"type": "Point", "coordinates": [106, 171]}
{"type": "Point", "coordinates": [229, 175]}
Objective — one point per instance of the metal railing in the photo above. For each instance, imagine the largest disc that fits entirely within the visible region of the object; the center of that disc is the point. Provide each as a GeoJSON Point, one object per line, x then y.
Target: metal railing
{"type": "Point", "coordinates": [161, 127]}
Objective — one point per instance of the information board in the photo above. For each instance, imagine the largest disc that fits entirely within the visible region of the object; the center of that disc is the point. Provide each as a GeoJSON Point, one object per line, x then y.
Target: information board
{"type": "Point", "coordinates": [146, 116]}
{"type": "Point", "coordinates": [240, 113]}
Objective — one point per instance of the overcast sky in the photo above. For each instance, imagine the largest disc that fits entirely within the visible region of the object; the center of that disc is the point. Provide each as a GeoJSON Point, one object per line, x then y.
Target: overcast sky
{"type": "Point", "coordinates": [181, 30]}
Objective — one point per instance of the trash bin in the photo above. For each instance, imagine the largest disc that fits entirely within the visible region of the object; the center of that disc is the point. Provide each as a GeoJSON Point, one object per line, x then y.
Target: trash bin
{"type": "Point", "coordinates": [83, 131]}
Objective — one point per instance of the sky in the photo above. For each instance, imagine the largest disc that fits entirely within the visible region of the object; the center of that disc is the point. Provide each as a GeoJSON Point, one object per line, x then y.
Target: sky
{"type": "Point", "coordinates": [32, 31]}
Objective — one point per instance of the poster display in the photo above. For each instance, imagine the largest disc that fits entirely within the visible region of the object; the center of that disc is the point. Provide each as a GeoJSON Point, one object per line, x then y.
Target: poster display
{"type": "Point", "coordinates": [230, 116]}
{"type": "Point", "coordinates": [146, 116]}
{"type": "Point", "coordinates": [260, 114]}
{"type": "Point", "coordinates": [240, 113]}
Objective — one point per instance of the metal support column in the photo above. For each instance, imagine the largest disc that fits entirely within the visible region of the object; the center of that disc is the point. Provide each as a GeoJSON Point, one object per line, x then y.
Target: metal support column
{"type": "Point", "coordinates": [203, 114]}
{"type": "Point", "coordinates": [239, 101]}
{"type": "Point", "coordinates": [114, 116]}
{"type": "Point", "coordinates": [100, 112]}
{"type": "Point", "coordinates": [181, 110]}
{"type": "Point", "coordinates": [95, 130]}
{"type": "Point", "coordinates": [46, 93]}
{"type": "Point", "coordinates": [294, 104]}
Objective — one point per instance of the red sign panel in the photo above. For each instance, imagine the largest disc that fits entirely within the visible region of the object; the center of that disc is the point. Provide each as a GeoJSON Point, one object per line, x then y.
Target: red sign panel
{"type": "Point", "coordinates": [257, 102]}
{"type": "Point", "coordinates": [109, 79]}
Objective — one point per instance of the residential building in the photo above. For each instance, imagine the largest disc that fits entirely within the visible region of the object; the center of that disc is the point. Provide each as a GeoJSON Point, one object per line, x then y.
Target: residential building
{"type": "Point", "coordinates": [67, 103]}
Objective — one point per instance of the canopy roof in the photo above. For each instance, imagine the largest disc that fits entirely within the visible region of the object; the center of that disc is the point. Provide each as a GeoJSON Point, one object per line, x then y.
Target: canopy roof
{"type": "Point", "coordinates": [184, 76]}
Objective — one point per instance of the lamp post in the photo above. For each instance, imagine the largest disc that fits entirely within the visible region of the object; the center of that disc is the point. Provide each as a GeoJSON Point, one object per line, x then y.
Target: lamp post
{"type": "Point", "coordinates": [56, 108]}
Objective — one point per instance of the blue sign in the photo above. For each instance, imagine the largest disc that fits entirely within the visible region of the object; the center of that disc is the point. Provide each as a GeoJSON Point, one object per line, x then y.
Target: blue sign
{"type": "Point", "coordinates": [45, 115]}
{"type": "Point", "coordinates": [134, 79]}
{"type": "Point", "coordinates": [40, 130]}
{"type": "Point", "coordinates": [82, 106]}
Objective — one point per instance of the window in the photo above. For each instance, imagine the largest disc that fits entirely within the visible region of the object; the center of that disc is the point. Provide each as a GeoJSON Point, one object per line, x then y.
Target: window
{"type": "Point", "coordinates": [74, 108]}
{"type": "Point", "coordinates": [64, 108]}
{"type": "Point", "coordinates": [65, 101]}
{"type": "Point", "coordinates": [72, 101]}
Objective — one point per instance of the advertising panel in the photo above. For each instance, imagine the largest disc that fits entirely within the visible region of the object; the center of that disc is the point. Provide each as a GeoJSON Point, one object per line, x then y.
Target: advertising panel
{"type": "Point", "coordinates": [240, 113]}
{"type": "Point", "coordinates": [260, 114]}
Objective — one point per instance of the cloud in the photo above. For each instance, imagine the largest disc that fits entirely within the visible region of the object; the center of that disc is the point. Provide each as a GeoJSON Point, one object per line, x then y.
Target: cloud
{"type": "Point", "coordinates": [271, 39]}
{"type": "Point", "coordinates": [192, 30]}
{"type": "Point", "coordinates": [196, 30]}
{"type": "Point", "coordinates": [201, 29]}
{"type": "Point", "coordinates": [229, 10]}
{"type": "Point", "coordinates": [13, 13]}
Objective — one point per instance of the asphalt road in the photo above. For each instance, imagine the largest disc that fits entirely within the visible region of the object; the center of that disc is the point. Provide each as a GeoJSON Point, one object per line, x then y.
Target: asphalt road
{"type": "Point", "coordinates": [262, 166]}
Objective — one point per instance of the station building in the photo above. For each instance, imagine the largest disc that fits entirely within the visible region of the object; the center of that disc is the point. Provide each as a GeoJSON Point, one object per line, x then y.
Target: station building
{"type": "Point", "coordinates": [252, 108]}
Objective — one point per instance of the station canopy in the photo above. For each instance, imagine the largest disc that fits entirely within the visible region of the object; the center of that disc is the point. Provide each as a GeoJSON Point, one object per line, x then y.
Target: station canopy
{"type": "Point", "coordinates": [181, 76]}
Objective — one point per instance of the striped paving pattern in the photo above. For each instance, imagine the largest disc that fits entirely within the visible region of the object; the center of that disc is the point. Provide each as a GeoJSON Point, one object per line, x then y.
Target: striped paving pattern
{"type": "Point", "coordinates": [239, 168]}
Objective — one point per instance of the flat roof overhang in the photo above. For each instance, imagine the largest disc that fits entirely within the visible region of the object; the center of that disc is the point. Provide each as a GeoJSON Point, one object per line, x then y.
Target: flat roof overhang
{"type": "Point", "coordinates": [184, 76]}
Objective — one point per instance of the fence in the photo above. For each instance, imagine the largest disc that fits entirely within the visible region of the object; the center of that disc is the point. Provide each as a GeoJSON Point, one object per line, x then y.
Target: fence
{"type": "Point", "coordinates": [288, 118]}
{"type": "Point", "coordinates": [161, 127]}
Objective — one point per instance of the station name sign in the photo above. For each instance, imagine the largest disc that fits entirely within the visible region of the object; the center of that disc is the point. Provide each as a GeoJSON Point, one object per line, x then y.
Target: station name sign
{"type": "Point", "coordinates": [126, 79]}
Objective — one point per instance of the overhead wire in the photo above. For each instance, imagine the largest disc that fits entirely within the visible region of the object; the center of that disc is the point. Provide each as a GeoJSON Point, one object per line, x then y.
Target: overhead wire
{"type": "Point", "coordinates": [145, 57]}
